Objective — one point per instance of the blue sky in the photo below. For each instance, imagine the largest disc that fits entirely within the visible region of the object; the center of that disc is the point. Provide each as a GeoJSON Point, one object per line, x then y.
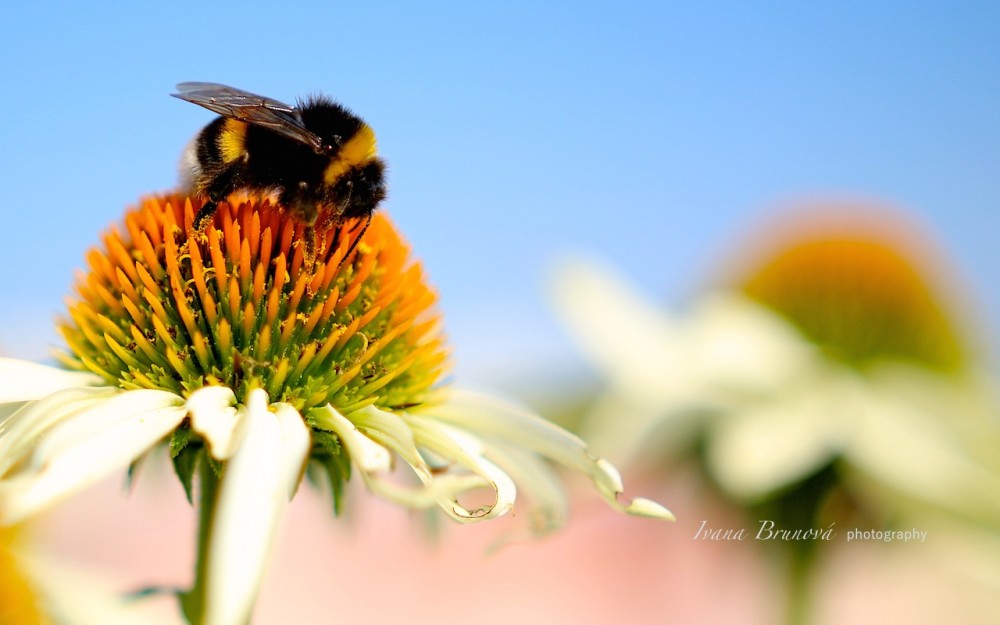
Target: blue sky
{"type": "Point", "coordinates": [650, 135]}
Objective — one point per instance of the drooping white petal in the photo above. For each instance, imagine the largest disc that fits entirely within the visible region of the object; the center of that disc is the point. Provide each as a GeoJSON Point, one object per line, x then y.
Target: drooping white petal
{"type": "Point", "coordinates": [618, 425]}
{"type": "Point", "coordinates": [296, 442]}
{"type": "Point", "coordinates": [215, 417]}
{"type": "Point", "coordinates": [375, 461]}
{"type": "Point", "coordinates": [368, 455]}
{"type": "Point", "coordinates": [441, 488]}
{"type": "Point", "coordinates": [84, 460]}
{"type": "Point", "coordinates": [491, 417]}
{"type": "Point", "coordinates": [609, 483]}
{"type": "Point", "coordinates": [22, 429]}
{"type": "Point", "coordinates": [391, 431]}
{"type": "Point", "coordinates": [486, 415]}
{"type": "Point", "coordinates": [537, 482]}
{"type": "Point", "coordinates": [256, 485]}
{"type": "Point", "coordinates": [26, 381]}
{"type": "Point", "coordinates": [464, 450]}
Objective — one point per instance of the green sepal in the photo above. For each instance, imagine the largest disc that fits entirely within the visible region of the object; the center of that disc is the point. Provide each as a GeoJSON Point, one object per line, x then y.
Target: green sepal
{"type": "Point", "coordinates": [325, 442]}
{"type": "Point", "coordinates": [331, 460]}
{"type": "Point", "coordinates": [215, 465]}
{"type": "Point", "coordinates": [179, 440]}
{"type": "Point", "coordinates": [185, 464]}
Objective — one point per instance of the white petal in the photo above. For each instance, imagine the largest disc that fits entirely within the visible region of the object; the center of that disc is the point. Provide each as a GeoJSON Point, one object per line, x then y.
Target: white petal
{"type": "Point", "coordinates": [620, 425]}
{"type": "Point", "coordinates": [256, 485]}
{"type": "Point", "coordinates": [768, 445]}
{"type": "Point", "coordinates": [22, 380]}
{"type": "Point", "coordinates": [489, 416]}
{"type": "Point", "coordinates": [214, 416]}
{"type": "Point", "coordinates": [389, 430]}
{"type": "Point", "coordinates": [7, 411]}
{"type": "Point", "coordinates": [537, 481]}
{"type": "Point", "coordinates": [441, 488]}
{"type": "Point", "coordinates": [609, 483]}
{"type": "Point", "coordinates": [374, 461]}
{"type": "Point", "coordinates": [296, 442]}
{"type": "Point", "coordinates": [918, 453]}
{"type": "Point", "coordinates": [121, 408]}
{"type": "Point", "coordinates": [466, 451]}
{"type": "Point", "coordinates": [366, 453]}
{"type": "Point", "coordinates": [85, 460]}
{"type": "Point", "coordinates": [486, 415]}
{"type": "Point", "coordinates": [739, 346]}
{"type": "Point", "coordinates": [623, 334]}
{"type": "Point", "coordinates": [22, 429]}
{"type": "Point", "coordinates": [641, 506]}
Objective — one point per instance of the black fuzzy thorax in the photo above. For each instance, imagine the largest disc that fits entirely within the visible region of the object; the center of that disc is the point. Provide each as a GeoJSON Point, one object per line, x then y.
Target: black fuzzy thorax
{"type": "Point", "coordinates": [329, 119]}
{"type": "Point", "coordinates": [276, 161]}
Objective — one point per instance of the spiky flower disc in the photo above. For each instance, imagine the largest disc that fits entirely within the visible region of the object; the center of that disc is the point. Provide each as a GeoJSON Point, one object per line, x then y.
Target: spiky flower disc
{"type": "Point", "coordinates": [254, 301]}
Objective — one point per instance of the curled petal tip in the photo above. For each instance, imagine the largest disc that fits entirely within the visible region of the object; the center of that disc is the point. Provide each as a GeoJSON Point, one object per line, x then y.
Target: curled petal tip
{"type": "Point", "coordinates": [640, 506]}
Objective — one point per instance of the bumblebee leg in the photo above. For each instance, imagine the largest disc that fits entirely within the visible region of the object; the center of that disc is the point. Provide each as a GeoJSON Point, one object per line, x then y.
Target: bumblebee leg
{"type": "Point", "coordinates": [205, 214]}
{"type": "Point", "coordinates": [357, 239]}
{"type": "Point", "coordinates": [309, 253]}
{"type": "Point", "coordinates": [325, 222]}
{"type": "Point", "coordinates": [227, 181]}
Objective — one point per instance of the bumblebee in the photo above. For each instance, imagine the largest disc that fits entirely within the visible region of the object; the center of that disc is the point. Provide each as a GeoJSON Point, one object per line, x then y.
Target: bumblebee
{"type": "Point", "coordinates": [317, 155]}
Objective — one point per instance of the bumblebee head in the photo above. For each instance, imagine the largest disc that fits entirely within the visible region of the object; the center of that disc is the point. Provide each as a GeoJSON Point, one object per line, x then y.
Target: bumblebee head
{"type": "Point", "coordinates": [353, 176]}
{"type": "Point", "coordinates": [359, 191]}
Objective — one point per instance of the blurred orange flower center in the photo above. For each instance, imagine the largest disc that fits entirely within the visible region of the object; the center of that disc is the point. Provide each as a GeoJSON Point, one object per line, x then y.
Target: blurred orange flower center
{"type": "Point", "coordinates": [859, 299]}
{"type": "Point", "coordinates": [18, 603]}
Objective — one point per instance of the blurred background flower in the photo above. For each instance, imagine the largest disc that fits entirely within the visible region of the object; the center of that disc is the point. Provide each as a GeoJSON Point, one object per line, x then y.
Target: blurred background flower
{"type": "Point", "coordinates": [39, 588]}
{"type": "Point", "coordinates": [826, 379]}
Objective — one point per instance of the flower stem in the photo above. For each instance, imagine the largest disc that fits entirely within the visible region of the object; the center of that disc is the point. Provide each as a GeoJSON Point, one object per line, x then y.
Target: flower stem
{"type": "Point", "coordinates": [800, 568]}
{"type": "Point", "coordinates": [800, 507]}
{"type": "Point", "coordinates": [193, 601]}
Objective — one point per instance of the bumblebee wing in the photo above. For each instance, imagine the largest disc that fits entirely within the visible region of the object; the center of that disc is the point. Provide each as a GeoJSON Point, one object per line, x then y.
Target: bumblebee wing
{"type": "Point", "coordinates": [251, 108]}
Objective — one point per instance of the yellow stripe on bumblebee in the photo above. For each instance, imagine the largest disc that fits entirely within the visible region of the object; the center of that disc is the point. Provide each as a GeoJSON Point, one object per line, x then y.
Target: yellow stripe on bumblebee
{"type": "Point", "coordinates": [356, 151]}
{"type": "Point", "coordinates": [233, 140]}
